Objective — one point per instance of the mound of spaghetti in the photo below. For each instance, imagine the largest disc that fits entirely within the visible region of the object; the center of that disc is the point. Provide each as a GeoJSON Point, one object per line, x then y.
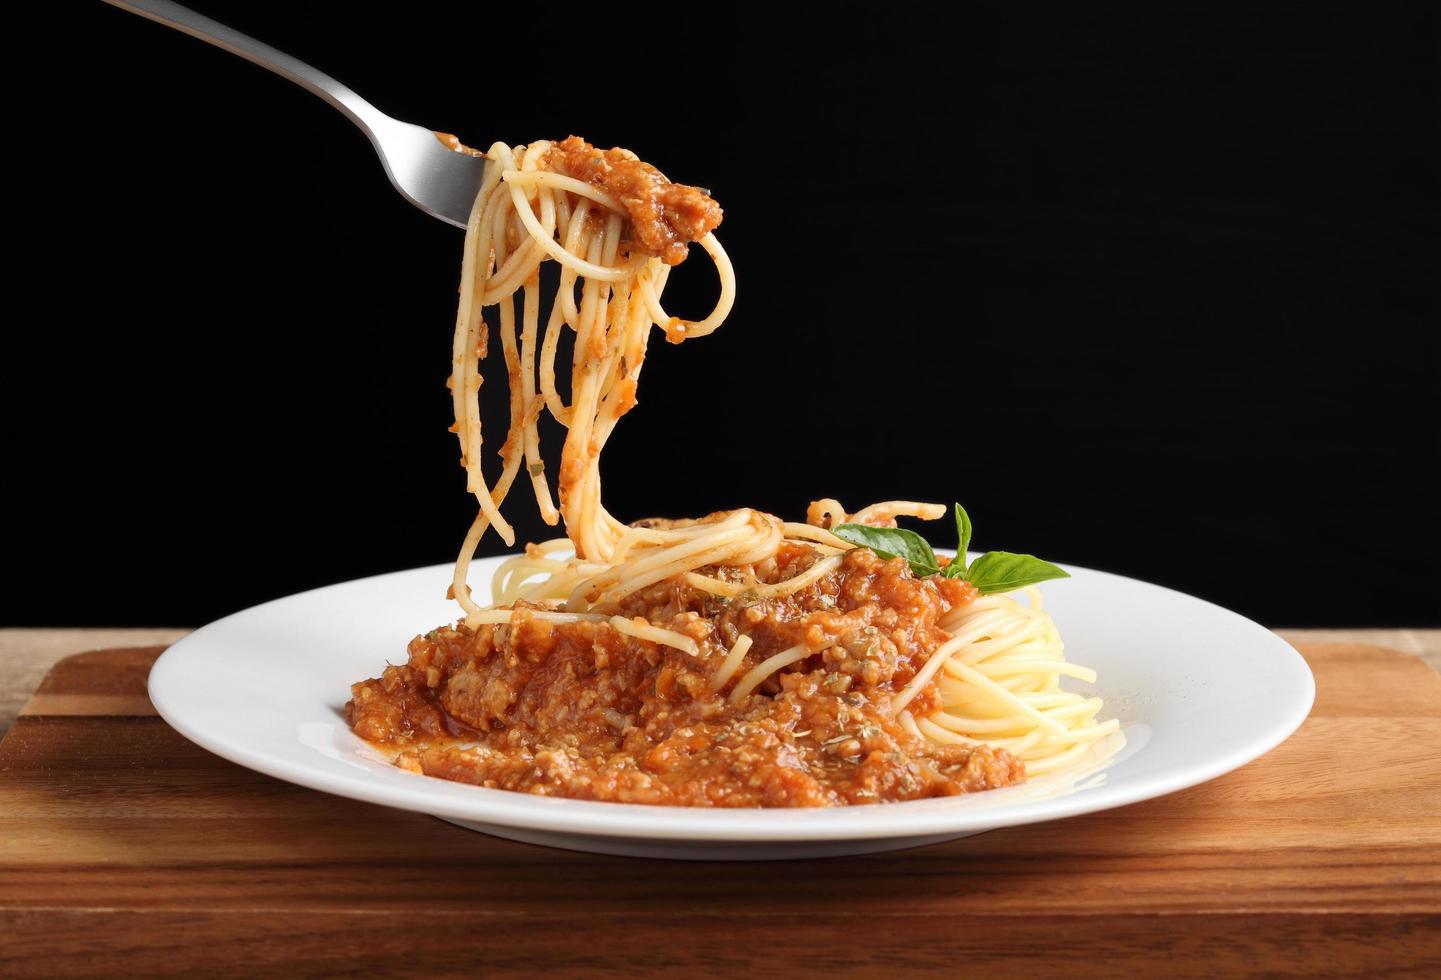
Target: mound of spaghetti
{"type": "Point", "coordinates": [734, 660]}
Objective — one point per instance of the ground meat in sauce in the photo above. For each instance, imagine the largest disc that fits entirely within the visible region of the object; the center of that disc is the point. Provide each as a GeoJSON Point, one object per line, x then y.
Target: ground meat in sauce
{"type": "Point", "coordinates": [580, 710]}
{"type": "Point", "coordinates": [663, 216]}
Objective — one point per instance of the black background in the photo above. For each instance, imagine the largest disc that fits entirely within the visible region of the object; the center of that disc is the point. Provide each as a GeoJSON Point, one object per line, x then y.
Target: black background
{"type": "Point", "coordinates": [1149, 288]}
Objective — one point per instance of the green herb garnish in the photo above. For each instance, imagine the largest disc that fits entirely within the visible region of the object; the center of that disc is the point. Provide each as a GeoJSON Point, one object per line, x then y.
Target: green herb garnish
{"type": "Point", "coordinates": [957, 567]}
{"type": "Point", "coordinates": [995, 571]}
{"type": "Point", "coordinates": [1002, 571]}
{"type": "Point", "coordinates": [893, 542]}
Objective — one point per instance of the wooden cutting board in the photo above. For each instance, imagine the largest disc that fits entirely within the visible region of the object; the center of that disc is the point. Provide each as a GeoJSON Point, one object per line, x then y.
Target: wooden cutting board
{"type": "Point", "coordinates": [125, 849]}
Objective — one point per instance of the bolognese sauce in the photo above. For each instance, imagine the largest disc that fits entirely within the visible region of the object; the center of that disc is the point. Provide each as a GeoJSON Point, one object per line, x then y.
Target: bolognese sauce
{"type": "Point", "coordinates": [664, 216]}
{"type": "Point", "coordinates": [582, 710]}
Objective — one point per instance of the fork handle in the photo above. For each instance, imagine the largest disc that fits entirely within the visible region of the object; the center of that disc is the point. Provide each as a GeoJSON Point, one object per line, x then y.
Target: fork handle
{"type": "Point", "coordinates": [183, 19]}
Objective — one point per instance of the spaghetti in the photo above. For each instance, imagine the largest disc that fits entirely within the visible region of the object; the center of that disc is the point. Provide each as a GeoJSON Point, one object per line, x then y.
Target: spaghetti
{"type": "Point", "coordinates": [735, 659]}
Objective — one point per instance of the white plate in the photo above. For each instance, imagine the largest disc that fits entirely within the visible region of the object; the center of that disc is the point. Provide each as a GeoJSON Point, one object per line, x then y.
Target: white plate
{"type": "Point", "coordinates": [1200, 691]}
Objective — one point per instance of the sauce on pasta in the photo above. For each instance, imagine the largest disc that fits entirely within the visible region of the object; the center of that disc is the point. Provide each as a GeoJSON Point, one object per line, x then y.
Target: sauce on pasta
{"type": "Point", "coordinates": [732, 660]}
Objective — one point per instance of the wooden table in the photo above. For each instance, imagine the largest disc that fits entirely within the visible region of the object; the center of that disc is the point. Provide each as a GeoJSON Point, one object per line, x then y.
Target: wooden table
{"type": "Point", "coordinates": [125, 849]}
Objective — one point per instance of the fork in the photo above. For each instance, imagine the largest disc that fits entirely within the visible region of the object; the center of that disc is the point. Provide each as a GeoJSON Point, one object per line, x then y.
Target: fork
{"type": "Point", "coordinates": [430, 169]}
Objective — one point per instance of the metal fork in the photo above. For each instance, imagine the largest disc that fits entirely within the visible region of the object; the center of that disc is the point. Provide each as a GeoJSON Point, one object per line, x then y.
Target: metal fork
{"type": "Point", "coordinates": [439, 180]}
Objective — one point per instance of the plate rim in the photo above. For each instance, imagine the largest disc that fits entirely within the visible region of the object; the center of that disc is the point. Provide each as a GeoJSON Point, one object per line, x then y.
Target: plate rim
{"type": "Point", "coordinates": [593, 818]}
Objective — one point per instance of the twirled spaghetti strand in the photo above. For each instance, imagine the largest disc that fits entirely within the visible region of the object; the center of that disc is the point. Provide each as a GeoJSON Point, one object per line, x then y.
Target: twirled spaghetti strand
{"type": "Point", "coordinates": [998, 673]}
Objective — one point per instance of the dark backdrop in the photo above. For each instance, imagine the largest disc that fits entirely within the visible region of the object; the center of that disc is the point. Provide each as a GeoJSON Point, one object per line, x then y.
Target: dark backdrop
{"type": "Point", "coordinates": [1149, 288]}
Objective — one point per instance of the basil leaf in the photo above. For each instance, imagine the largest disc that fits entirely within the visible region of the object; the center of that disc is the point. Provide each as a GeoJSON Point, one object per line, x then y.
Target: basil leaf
{"type": "Point", "coordinates": [892, 542]}
{"type": "Point", "coordinates": [963, 535]}
{"type": "Point", "coordinates": [1001, 571]}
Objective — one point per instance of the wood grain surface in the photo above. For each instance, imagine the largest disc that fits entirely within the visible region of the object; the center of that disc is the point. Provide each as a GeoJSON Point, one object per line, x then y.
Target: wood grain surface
{"type": "Point", "coordinates": [125, 849]}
